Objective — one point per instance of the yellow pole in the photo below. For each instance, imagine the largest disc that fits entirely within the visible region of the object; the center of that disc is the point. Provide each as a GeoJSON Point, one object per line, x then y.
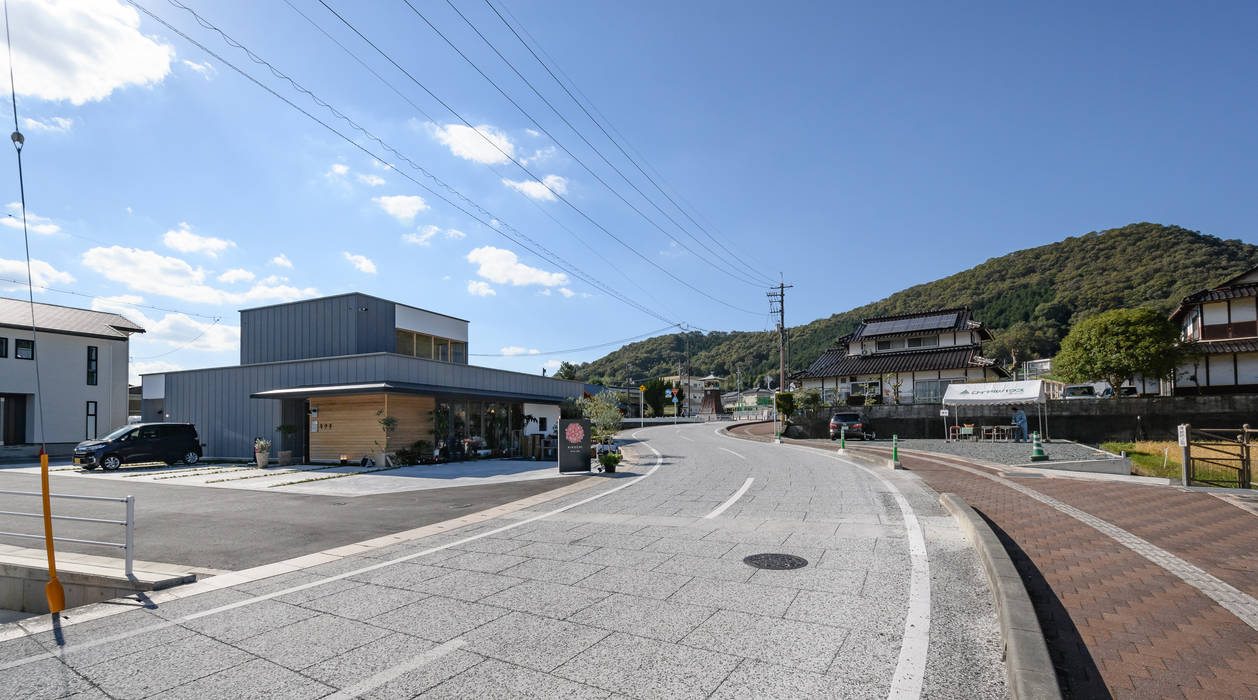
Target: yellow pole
{"type": "Point", "coordinates": [55, 593]}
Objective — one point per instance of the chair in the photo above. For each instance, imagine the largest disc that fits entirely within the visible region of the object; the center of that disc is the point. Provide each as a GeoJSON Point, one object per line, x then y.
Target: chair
{"type": "Point", "coordinates": [989, 433]}
{"type": "Point", "coordinates": [967, 431]}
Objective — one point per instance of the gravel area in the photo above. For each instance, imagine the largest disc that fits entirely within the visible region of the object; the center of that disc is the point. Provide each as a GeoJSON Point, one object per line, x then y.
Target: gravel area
{"type": "Point", "coordinates": [1007, 452]}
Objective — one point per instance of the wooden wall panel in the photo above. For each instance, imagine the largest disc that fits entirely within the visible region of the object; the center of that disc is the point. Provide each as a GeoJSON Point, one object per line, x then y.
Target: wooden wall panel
{"type": "Point", "coordinates": [414, 419]}
{"type": "Point", "coordinates": [349, 425]}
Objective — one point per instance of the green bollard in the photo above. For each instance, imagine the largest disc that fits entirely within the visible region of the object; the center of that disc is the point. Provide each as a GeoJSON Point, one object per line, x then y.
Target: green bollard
{"type": "Point", "coordinates": [843, 438]}
{"type": "Point", "coordinates": [1037, 450]}
{"type": "Point", "coordinates": [895, 448]}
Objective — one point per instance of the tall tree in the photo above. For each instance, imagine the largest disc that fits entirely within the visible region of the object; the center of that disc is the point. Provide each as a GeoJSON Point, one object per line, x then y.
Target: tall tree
{"type": "Point", "coordinates": [566, 370]}
{"type": "Point", "coordinates": [654, 396]}
{"type": "Point", "coordinates": [1117, 345]}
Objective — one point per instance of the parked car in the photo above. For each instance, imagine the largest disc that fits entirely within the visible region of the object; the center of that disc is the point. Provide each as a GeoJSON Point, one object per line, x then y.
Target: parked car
{"type": "Point", "coordinates": [1123, 392]}
{"type": "Point", "coordinates": [857, 426]}
{"type": "Point", "coordinates": [146, 442]}
{"type": "Point", "coordinates": [1079, 391]}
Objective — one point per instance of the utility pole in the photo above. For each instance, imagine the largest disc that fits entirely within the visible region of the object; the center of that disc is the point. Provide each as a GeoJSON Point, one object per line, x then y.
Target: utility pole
{"type": "Point", "coordinates": [777, 304]}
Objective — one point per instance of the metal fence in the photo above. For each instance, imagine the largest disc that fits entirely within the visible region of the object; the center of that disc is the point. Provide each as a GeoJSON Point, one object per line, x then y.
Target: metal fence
{"type": "Point", "coordinates": [128, 546]}
{"type": "Point", "coordinates": [1218, 456]}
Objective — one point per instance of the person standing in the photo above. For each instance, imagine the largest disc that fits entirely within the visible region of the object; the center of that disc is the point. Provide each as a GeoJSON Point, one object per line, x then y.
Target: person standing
{"type": "Point", "coordinates": [1019, 422]}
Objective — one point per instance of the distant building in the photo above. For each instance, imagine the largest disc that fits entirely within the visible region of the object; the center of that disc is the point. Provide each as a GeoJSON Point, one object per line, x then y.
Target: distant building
{"type": "Point", "coordinates": [82, 372]}
{"type": "Point", "coordinates": [917, 354]}
{"type": "Point", "coordinates": [1223, 322]}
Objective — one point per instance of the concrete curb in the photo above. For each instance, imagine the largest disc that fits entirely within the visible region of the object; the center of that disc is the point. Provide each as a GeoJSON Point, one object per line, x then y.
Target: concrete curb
{"type": "Point", "coordinates": [1027, 663]}
{"type": "Point", "coordinates": [869, 459]}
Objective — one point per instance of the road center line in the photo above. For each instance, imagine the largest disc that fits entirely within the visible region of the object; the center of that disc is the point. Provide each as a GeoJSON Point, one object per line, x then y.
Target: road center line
{"type": "Point", "coordinates": [737, 495]}
{"type": "Point", "coordinates": [734, 453]}
{"type": "Point", "coordinates": [369, 684]}
{"type": "Point", "coordinates": [71, 649]}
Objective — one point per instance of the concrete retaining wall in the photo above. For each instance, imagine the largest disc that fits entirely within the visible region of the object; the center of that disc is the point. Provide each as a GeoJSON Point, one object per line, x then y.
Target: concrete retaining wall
{"type": "Point", "coordinates": [22, 587]}
{"type": "Point", "coordinates": [1084, 420]}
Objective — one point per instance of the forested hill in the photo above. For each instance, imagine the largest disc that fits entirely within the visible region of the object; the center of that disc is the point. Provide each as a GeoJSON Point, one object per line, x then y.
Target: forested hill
{"type": "Point", "coordinates": [1029, 298]}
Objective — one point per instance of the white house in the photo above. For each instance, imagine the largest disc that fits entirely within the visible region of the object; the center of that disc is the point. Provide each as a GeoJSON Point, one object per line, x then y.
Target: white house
{"type": "Point", "coordinates": [1223, 323]}
{"type": "Point", "coordinates": [82, 358]}
{"type": "Point", "coordinates": [916, 354]}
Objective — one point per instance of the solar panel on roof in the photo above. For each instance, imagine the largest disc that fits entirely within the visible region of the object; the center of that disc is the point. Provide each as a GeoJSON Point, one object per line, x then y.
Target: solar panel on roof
{"type": "Point", "coordinates": [909, 325]}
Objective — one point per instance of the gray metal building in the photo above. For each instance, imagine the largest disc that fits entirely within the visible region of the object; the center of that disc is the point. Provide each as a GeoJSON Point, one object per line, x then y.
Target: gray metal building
{"type": "Point", "coordinates": [346, 352]}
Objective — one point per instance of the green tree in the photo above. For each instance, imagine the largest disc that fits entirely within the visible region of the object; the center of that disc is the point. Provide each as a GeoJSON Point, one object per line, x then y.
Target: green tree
{"type": "Point", "coordinates": [1021, 342]}
{"type": "Point", "coordinates": [1117, 345]}
{"type": "Point", "coordinates": [810, 400]}
{"type": "Point", "coordinates": [654, 396]}
{"type": "Point", "coordinates": [786, 405]}
{"type": "Point", "coordinates": [566, 370]}
{"type": "Point", "coordinates": [604, 413]}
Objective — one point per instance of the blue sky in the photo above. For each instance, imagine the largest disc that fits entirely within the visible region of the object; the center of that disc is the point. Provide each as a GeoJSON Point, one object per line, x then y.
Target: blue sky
{"type": "Point", "coordinates": [855, 149]}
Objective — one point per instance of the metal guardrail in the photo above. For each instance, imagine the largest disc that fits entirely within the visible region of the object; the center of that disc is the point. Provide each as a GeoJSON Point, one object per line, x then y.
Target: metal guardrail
{"type": "Point", "coordinates": [128, 546]}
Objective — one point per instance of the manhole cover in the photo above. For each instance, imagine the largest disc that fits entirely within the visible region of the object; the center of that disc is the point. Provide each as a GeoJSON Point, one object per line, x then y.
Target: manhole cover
{"type": "Point", "coordinates": [777, 562]}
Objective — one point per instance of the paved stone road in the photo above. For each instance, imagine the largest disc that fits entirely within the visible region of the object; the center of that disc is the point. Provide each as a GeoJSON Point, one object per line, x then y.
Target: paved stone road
{"type": "Point", "coordinates": [1121, 617]}
{"type": "Point", "coordinates": [630, 590]}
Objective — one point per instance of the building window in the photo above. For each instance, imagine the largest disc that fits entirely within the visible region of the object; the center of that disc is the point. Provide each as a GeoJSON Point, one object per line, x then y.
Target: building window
{"type": "Point", "coordinates": [890, 345]}
{"type": "Point", "coordinates": [929, 341]}
{"type": "Point", "coordinates": [443, 350]}
{"type": "Point", "coordinates": [92, 355]}
{"type": "Point", "coordinates": [90, 432]}
{"type": "Point", "coordinates": [24, 349]}
{"type": "Point", "coordinates": [458, 352]}
{"type": "Point", "coordinates": [405, 342]}
{"type": "Point", "coordinates": [541, 424]}
{"type": "Point", "coordinates": [4, 347]}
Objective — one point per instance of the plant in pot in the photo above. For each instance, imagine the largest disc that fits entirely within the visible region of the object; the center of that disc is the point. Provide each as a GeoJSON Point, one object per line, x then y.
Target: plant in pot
{"type": "Point", "coordinates": [262, 451]}
{"type": "Point", "coordinates": [388, 425]}
{"type": "Point", "coordinates": [286, 433]}
{"type": "Point", "coordinates": [609, 460]}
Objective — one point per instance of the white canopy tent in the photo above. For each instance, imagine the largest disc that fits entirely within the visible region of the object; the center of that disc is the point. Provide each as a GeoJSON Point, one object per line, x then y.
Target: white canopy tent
{"type": "Point", "coordinates": [1000, 393]}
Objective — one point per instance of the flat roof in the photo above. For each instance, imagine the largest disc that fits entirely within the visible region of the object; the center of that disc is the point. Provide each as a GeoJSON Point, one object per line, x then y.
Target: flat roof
{"type": "Point", "coordinates": [353, 294]}
{"type": "Point", "coordinates": [304, 392]}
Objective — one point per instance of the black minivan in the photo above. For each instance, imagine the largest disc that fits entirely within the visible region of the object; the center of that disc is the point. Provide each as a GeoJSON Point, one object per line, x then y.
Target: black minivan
{"type": "Point", "coordinates": [142, 442]}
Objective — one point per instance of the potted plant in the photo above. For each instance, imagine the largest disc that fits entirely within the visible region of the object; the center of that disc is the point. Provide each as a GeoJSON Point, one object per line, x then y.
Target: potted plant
{"type": "Point", "coordinates": [388, 424]}
{"type": "Point", "coordinates": [286, 432]}
{"type": "Point", "coordinates": [261, 451]}
{"type": "Point", "coordinates": [609, 460]}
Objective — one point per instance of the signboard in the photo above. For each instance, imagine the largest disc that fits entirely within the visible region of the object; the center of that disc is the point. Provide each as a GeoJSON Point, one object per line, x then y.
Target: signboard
{"type": "Point", "coordinates": [995, 393]}
{"type": "Point", "coordinates": [574, 445]}
{"type": "Point", "coordinates": [674, 399]}
{"type": "Point", "coordinates": [668, 393]}
{"type": "Point", "coordinates": [1183, 435]}
{"type": "Point", "coordinates": [642, 387]}
{"type": "Point", "coordinates": [943, 413]}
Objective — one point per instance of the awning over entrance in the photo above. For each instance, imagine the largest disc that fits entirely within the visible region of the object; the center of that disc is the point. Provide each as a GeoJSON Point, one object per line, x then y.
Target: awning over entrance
{"type": "Point", "coordinates": [995, 393]}
{"type": "Point", "coordinates": [306, 392]}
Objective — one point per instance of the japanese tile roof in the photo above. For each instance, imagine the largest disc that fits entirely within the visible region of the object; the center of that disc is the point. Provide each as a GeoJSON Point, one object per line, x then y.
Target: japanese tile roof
{"type": "Point", "coordinates": [1216, 347]}
{"type": "Point", "coordinates": [16, 313]}
{"type": "Point", "coordinates": [1234, 288]}
{"type": "Point", "coordinates": [836, 362]}
{"type": "Point", "coordinates": [918, 323]}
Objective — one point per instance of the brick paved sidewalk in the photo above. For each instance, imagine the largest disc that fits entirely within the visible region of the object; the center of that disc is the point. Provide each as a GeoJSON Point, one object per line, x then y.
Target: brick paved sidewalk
{"type": "Point", "coordinates": [1118, 624]}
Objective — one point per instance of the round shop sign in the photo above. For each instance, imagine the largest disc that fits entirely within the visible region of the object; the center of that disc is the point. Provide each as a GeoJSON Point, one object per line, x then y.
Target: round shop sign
{"type": "Point", "coordinates": [574, 433]}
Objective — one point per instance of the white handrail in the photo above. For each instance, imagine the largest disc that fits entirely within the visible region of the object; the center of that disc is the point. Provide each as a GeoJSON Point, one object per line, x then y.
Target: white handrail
{"type": "Point", "coordinates": [127, 546]}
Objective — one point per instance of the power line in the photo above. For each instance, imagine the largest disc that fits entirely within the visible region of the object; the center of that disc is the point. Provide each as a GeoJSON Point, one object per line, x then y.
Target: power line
{"type": "Point", "coordinates": [568, 350]}
{"type": "Point", "coordinates": [560, 197]}
{"type": "Point", "coordinates": [767, 279]}
{"type": "Point", "coordinates": [604, 131]}
{"type": "Point", "coordinates": [549, 255]}
{"type": "Point", "coordinates": [108, 299]}
{"type": "Point", "coordinates": [587, 142]}
{"type": "Point", "coordinates": [183, 345]}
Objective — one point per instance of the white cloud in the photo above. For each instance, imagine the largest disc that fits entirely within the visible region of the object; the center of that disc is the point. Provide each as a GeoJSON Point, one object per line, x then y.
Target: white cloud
{"type": "Point", "coordinates": [282, 260]}
{"type": "Point", "coordinates": [42, 275]}
{"type": "Point", "coordinates": [371, 180]}
{"type": "Point", "coordinates": [552, 364]}
{"type": "Point", "coordinates": [402, 207]}
{"type": "Point", "coordinates": [484, 144]}
{"type": "Point", "coordinates": [361, 262]}
{"type": "Point", "coordinates": [275, 279]}
{"type": "Point", "coordinates": [567, 293]}
{"type": "Point", "coordinates": [205, 70]}
{"type": "Point", "coordinates": [83, 50]}
{"type": "Point", "coordinates": [154, 273]}
{"type": "Point", "coordinates": [455, 235]}
{"type": "Point", "coordinates": [174, 329]}
{"type": "Point", "coordinates": [56, 124]}
{"type": "Point", "coordinates": [539, 155]}
{"type": "Point", "coordinates": [545, 190]}
{"type": "Point", "coordinates": [185, 241]}
{"type": "Point", "coordinates": [236, 275]}
{"type": "Point", "coordinates": [149, 367]}
{"type": "Point", "coordinates": [423, 236]}
{"type": "Point", "coordinates": [543, 292]}
{"type": "Point", "coordinates": [513, 350]}
{"type": "Point", "coordinates": [480, 289]}
{"type": "Point", "coordinates": [36, 224]}
{"type": "Point", "coordinates": [336, 172]}
{"type": "Point", "coordinates": [502, 266]}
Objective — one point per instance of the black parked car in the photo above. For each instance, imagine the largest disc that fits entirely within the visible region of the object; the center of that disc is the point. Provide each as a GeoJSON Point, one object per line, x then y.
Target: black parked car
{"type": "Point", "coordinates": [855, 424]}
{"type": "Point", "coordinates": [143, 442]}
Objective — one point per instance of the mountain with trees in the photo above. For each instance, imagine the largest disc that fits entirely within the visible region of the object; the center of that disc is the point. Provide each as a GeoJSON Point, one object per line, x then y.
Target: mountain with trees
{"type": "Point", "coordinates": [1029, 298]}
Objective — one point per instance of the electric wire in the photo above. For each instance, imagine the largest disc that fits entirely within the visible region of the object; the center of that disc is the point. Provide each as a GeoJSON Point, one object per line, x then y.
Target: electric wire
{"type": "Point", "coordinates": [594, 251]}
{"type": "Point", "coordinates": [594, 148]}
{"type": "Point", "coordinates": [560, 197]}
{"type": "Point", "coordinates": [181, 346]}
{"type": "Point", "coordinates": [768, 279]}
{"type": "Point", "coordinates": [550, 256]}
{"type": "Point", "coordinates": [109, 299]}
{"type": "Point", "coordinates": [569, 350]}
{"type": "Point", "coordinates": [36, 352]}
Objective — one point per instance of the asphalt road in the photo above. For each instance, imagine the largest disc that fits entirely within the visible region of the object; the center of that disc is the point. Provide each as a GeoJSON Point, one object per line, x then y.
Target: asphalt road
{"type": "Point", "coordinates": [236, 529]}
{"type": "Point", "coordinates": [635, 587]}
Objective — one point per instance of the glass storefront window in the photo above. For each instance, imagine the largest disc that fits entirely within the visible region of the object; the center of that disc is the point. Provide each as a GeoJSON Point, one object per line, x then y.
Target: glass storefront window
{"type": "Point", "coordinates": [423, 346]}
{"type": "Point", "coordinates": [443, 350]}
{"type": "Point", "coordinates": [405, 343]}
{"type": "Point", "coordinates": [458, 352]}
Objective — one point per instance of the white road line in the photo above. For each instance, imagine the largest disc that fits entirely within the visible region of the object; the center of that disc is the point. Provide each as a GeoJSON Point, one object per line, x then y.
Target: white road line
{"type": "Point", "coordinates": [683, 437]}
{"type": "Point", "coordinates": [71, 649]}
{"type": "Point", "coordinates": [737, 495]}
{"type": "Point", "coordinates": [369, 684]}
{"type": "Point", "coordinates": [733, 453]}
{"type": "Point", "coordinates": [1232, 599]}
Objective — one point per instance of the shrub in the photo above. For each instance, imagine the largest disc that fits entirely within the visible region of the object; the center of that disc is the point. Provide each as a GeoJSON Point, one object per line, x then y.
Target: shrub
{"type": "Point", "coordinates": [609, 459]}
